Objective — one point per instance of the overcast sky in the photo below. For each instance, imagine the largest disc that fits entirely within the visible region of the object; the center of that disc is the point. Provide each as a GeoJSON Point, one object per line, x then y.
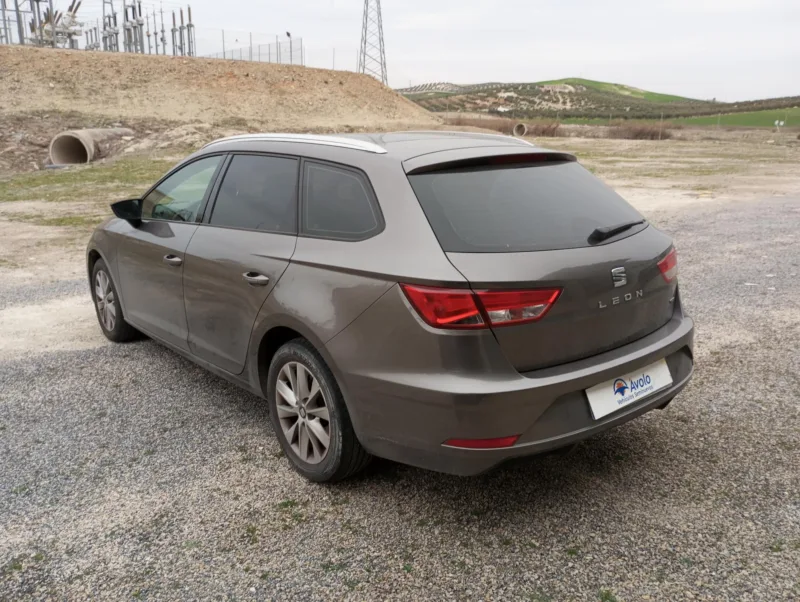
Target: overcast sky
{"type": "Point", "coordinates": [724, 49]}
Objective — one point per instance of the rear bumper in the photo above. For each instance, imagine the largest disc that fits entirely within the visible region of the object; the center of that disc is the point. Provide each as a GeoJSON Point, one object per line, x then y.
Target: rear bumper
{"type": "Point", "coordinates": [407, 415]}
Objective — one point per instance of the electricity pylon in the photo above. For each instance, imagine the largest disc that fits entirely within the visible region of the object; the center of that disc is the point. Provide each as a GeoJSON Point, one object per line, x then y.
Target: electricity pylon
{"type": "Point", "coordinates": [371, 55]}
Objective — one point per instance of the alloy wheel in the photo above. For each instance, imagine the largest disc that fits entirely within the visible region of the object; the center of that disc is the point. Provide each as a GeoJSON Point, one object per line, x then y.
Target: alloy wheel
{"type": "Point", "coordinates": [303, 412]}
{"type": "Point", "coordinates": [104, 297]}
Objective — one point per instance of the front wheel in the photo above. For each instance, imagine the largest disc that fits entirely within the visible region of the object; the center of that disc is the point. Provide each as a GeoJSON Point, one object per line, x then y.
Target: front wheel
{"type": "Point", "coordinates": [309, 415]}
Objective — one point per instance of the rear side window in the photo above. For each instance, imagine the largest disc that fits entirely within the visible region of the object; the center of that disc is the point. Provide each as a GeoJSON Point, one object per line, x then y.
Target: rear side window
{"type": "Point", "coordinates": [529, 207]}
{"type": "Point", "coordinates": [258, 193]}
{"type": "Point", "coordinates": [338, 203]}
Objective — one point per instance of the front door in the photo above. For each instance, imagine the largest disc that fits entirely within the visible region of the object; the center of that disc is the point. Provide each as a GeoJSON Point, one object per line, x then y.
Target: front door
{"type": "Point", "coordinates": [151, 256]}
{"type": "Point", "coordinates": [238, 255]}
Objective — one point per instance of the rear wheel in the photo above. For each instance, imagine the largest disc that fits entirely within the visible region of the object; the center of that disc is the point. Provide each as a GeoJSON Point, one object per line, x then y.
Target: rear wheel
{"type": "Point", "coordinates": [108, 307]}
{"type": "Point", "coordinates": [309, 415]}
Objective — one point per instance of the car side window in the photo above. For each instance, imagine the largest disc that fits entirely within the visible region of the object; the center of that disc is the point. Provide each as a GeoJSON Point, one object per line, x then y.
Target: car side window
{"type": "Point", "coordinates": [338, 203]}
{"type": "Point", "coordinates": [178, 198]}
{"type": "Point", "coordinates": [258, 192]}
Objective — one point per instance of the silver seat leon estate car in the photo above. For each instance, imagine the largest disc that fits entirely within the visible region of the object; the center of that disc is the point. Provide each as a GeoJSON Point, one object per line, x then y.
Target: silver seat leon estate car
{"type": "Point", "coordinates": [443, 299]}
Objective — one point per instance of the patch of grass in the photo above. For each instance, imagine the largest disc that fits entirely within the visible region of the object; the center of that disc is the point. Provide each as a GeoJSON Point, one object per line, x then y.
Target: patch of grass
{"type": "Point", "coordinates": [15, 564]}
{"type": "Point", "coordinates": [407, 567]}
{"type": "Point", "coordinates": [350, 583]}
{"type": "Point", "coordinates": [286, 504]}
{"type": "Point", "coordinates": [333, 567]}
{"type": "Point", "coordinates": [540, 596]}
{"type": "Point", "coordinates": [766, 118]}
{"type": "Point", "coordinates": [20, 489]}
{"type": "Point", "coordinates": [191, 544]}
{"type": "Point", "coordinates": [573, 551]}
{"type": "Point", "coordinates": [777, 546]}
{"type": "Point", "coordinates": [38, 557]}
{"type": "Point", "coordinates": [506, 541]}
{"type": "Point", "coordinates": [127, 178]}
{"type": "Point", "coordinates": [605, 595]}
{"type": "Point", "coordinates": [252, 534]}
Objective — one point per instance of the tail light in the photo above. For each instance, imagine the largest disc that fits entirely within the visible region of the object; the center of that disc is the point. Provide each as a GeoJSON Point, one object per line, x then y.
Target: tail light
{"type": "Point", "coordinates": [669, 266]}
{"type": "Point", "coordinates": [464, 309]}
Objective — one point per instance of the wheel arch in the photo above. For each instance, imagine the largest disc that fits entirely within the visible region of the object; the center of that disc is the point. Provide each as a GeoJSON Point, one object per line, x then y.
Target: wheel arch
{"type": "Point", "coordinates": [273, 332]}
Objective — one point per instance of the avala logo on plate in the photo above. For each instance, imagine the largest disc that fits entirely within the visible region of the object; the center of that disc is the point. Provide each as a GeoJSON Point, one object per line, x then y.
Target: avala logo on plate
{"type": "Point", "coordinates": [620, 386]}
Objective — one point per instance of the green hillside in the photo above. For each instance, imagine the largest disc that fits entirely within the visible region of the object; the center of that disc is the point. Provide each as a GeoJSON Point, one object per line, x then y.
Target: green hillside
{"type": "Point", "coordinates": [620, 89]}
{"type": "Point", "coordinates": [578, 99]}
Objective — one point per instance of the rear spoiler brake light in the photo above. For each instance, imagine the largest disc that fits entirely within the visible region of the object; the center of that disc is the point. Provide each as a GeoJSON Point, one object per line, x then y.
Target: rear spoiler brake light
{"type": "Point", "coordinates": [490, 160]}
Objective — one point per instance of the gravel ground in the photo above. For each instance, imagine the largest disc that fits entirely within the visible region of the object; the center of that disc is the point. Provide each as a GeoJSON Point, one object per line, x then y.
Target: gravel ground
{"type": "Point", "coordinates": [26, 294]}
{"type": "Point", "coordinates": [130, 473]}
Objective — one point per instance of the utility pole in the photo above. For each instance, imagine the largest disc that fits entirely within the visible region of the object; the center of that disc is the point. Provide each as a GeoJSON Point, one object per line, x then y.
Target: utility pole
{"type": "Point", "coordinates": [149, 47]}
{"type": "Point", "coordinates": [174, 36]}
{"type": "Point", "coordinates": [163, 35]}
{"type": "Point", "coordinates": [52, 26]}
{"type": "Point", "coordinates": [182, 32]}
{"type": "Point", "coordinates": [140, 26]}
{"type": "Point", "coordinates": [20, 25]}
{"type": "Point", "coordinates": [5, 38]}
{"type": "Point", "coordinates": [190, 39]}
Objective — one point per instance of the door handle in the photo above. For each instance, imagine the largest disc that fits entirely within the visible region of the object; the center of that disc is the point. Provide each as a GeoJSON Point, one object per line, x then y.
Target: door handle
{"type": "Point", "coordinates": [256, 279]}
{"type": "Point", "coordinates": [173, 260]}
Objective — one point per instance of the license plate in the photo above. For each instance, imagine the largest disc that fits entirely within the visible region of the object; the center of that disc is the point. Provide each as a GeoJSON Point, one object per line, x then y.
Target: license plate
{"type": "Point", "coordinates": [608, 397]}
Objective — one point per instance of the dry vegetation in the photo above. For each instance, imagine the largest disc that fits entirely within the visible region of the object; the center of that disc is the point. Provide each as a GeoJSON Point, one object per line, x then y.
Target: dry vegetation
{"type": "Point", "coordinates": [638, 132]}
{"type": "Point", "coordinates": [234, 94]}
{"type": "Point", "coordinates": [548, 129]}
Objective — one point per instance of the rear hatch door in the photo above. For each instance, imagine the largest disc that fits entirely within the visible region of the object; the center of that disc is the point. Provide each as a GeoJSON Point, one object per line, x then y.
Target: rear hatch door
{"type": "Point", "coordinates": [543, 221]}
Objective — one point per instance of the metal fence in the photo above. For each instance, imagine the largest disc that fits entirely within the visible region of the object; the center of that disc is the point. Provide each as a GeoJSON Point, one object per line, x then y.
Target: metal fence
{"type": "Point", "coordinates": [289, 52]}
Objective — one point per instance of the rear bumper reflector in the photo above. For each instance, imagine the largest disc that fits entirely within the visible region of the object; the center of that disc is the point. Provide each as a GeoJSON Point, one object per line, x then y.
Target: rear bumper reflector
{"type": "Point", "coordinates": [496, 443]}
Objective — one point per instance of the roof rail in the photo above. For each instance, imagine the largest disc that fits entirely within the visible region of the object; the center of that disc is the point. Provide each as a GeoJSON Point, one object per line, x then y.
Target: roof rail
{"type": "Point", "coordinates": [351, 143]}
{"type": "Point", "coordinates": [458, 133]}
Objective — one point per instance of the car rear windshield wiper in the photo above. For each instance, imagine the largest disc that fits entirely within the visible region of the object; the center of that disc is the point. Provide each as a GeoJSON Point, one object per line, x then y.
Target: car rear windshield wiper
{"type": "Point", "coordinates": [601, 234]}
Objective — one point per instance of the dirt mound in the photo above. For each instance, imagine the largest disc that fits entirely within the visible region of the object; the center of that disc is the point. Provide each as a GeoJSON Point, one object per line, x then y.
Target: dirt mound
{"type": "Point", "coordinates": [228, 93]}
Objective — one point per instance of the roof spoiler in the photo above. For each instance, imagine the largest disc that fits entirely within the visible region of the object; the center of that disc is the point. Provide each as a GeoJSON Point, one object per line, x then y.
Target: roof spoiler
{"type": "Point", "coordinates": [482, 157]}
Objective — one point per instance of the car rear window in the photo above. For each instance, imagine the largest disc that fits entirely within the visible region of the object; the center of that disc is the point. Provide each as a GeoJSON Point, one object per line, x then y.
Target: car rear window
{"type": "Point", "coordinates": [514, 208]}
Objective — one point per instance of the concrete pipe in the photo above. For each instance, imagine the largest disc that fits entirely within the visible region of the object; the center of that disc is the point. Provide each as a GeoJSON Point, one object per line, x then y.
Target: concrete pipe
{"type": "Point", "coordinates": [83, 146]}
{"type": "Point", "coordinates": [520, 130]}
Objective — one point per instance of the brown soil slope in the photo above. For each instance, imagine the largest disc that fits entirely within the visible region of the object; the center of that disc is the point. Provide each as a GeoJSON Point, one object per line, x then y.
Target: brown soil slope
{"type": "Point", "coordinates": [275, 97]}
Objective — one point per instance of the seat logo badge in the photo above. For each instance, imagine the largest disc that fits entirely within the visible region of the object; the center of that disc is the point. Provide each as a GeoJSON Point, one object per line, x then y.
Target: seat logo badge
{"type": "Point", "coordinates": [618, 277]}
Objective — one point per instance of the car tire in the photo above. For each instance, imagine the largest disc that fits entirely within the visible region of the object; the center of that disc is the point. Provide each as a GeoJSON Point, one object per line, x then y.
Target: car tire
{"type": "Point", "coordinates": [108, 307]}
{"type": "Point", "coordinates": [319, 413]}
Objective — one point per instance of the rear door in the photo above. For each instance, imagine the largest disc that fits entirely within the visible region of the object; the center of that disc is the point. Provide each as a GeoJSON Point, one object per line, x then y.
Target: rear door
{"type": "Point", "coordinates": [238, 254]}
{"type": "Point", "coordinates": [151, 256]}
{"type": "Point", "coordinates": [527, 223]}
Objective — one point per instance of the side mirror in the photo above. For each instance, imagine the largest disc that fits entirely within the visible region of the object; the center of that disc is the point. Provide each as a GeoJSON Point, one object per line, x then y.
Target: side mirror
{"type": "Point", "coordinates": [130, 210]}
